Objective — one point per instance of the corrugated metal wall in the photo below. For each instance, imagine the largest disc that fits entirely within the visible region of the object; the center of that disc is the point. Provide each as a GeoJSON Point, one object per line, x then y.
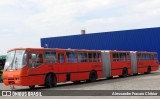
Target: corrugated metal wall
{"type": "Point", "coordinates": [134, 40]}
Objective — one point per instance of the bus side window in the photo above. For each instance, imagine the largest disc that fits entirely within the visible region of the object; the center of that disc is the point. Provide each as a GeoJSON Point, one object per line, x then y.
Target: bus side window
{"type": "Point", "coordinates": [115, 56]}
{"type": "Point", "coordinates": [35, 60]}
{"type": "Point", "coordinates": [122, 56]}
{"type": "Point", "coordinates": [61, 58]}
{"type": "Point", "coordinates": [141, 57]}
{"type": "Point", "coordinates": [94, 57]}
{"type": "Point", "coordinates": [99, 57]}
{"type": "Point", "coordinates": [128, 57]}
{"type": "Point", "coordinates": [90, 57]}
{"type": "Point", "coordinates": [71, 57]}
{"type": "Point", "coordinates": [145, 56]}
{"type": "Point", "coordinates": [32, 60]}
{"type": "Point", "coordinates": [148, 56]}
{"type": "Point", "coordinates": [82, 57]}
{"type": "Point", "coordinates": [50, 57]}
{"type": "Point", "coordinates": [39, 58]}
{"type": "Point", "coordinates": [155, 57]}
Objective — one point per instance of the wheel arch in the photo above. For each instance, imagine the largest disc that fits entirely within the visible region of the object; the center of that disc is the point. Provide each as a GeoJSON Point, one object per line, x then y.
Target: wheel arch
{"type": "Point", "coordinates": [50, 73]}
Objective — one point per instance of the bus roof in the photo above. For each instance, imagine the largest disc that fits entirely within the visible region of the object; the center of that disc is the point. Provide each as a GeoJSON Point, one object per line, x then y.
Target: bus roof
{"type": "Point", "coordinates": [78, 50]}
{"type": "Point", "coordinates": [147, 52]}
{"type": "Point", "coordinates": [52, 49]}
{"type": "Point", "coordinates": [119, 51]}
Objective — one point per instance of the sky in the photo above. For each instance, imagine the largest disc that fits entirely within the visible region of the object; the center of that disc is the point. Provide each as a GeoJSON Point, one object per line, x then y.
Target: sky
{"type": "Point", "coordinates": [24, 22]}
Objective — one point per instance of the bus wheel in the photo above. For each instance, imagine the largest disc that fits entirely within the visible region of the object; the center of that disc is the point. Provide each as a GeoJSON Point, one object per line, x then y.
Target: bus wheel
{"type": "Point", "coordinates": [92, 76]}
{"type": "Point", "coordinates": [51, 81]}
{"type": "Point", "coordinates": [31, 87]}
{"type": "Point", "coordinates": [125, 72]}
{"type": "Point", "coordinates": [149, 70]}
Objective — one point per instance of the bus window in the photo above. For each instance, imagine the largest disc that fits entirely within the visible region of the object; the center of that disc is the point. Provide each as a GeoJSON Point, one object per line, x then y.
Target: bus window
{"type": "Point", "coordinates": [143, 57]}
{"type": "Point", "coordinates": [94, 57]}
{"type": "Point", "coordinates": [71, 57]}
{"type": "Point", "coordinates": [115, 56]}
{"type": "Point", "coordinates": [99, 57]}
{"type": "Point", "coordinates": [122, 56]}
{"type": "Point", "coordinates": [50, 57]}
{"type": "Point", "coordinates": [35, 60]}
{"type": "Point", "coordinates": [61, 58]}
{"type": "Point", "coordinates": [82, 57]}
{"type": "Point", "coordinates": [148, 57]}
{"type": "Point", "coordinates": [155, 57]}
{"type": "Point", "coordinates": [90, 57]}
{"type": "Point", "coordinates": [128, 56]}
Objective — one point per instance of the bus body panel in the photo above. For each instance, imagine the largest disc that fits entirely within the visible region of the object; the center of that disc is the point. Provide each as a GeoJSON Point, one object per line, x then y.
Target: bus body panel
{"type": "Point", "coordinates": [118, 65]}
{"type": "Point", "coordinates": [16, 77]}
{"type": "Point", "coordinates": [143, 63]}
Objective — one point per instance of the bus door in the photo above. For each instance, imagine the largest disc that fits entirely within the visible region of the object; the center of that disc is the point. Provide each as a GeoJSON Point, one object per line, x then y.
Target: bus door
{"type": "Point", "coordinates": [143, 62]}
{"type": "Point", "coordinates": [35, 71]}
{"type": "Point", "coordinates": [61, 67]}
{"type": "Point", "coordinates": [50, 62]}
{"type": "Point", "coordinates": [67, 70]}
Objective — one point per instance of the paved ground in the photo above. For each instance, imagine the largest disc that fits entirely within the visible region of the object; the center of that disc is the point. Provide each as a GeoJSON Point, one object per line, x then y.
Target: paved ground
{"type": "Point", "coordinates": [140, 82]}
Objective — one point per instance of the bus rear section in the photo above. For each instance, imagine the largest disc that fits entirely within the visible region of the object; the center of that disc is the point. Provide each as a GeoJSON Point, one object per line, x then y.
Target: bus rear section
{"type": "Point", "coordinates": [144, 62]}
{"type": "Point", "coordinates": [116, 63]}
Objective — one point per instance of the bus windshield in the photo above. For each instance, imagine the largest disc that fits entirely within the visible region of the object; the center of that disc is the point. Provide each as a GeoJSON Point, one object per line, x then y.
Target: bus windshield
{"type": "Point", "coordinates": [15, 60]}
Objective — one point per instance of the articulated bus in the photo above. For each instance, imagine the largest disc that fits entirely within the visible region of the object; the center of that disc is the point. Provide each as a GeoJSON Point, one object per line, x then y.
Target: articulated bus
{"type": "Point", "coordinates": [47, 67]}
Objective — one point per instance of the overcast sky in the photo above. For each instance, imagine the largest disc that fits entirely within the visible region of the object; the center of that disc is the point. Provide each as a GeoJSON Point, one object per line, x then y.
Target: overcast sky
{"type": "Point", "coordinates": [24, 22]}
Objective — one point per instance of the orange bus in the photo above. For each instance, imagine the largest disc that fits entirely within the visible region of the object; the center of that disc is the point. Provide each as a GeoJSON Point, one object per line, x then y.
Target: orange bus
{"type": "Point", "coordinates": [123, 63]}
{"type": "Point", "coordinates": [30, 66]}
{"type": "Point", "coordinates": [146, 62]}
{"type": "Point", "coordinates": [44, 66]}
{"type": "Point", "coordinates": [116, 63]}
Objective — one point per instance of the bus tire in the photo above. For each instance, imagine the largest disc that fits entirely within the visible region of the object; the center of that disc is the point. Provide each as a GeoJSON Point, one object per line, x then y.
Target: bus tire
{"type": "Point", "coordinates": [124, 72]}
{"type": "Point", "coordinates": [32, 87]}
{"type": "Point", "coordinates": [149, 70]}
{"type": "Point", "coordinates": [50, 81]}
{"type": "Point", "coordinates": [92, 76]}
